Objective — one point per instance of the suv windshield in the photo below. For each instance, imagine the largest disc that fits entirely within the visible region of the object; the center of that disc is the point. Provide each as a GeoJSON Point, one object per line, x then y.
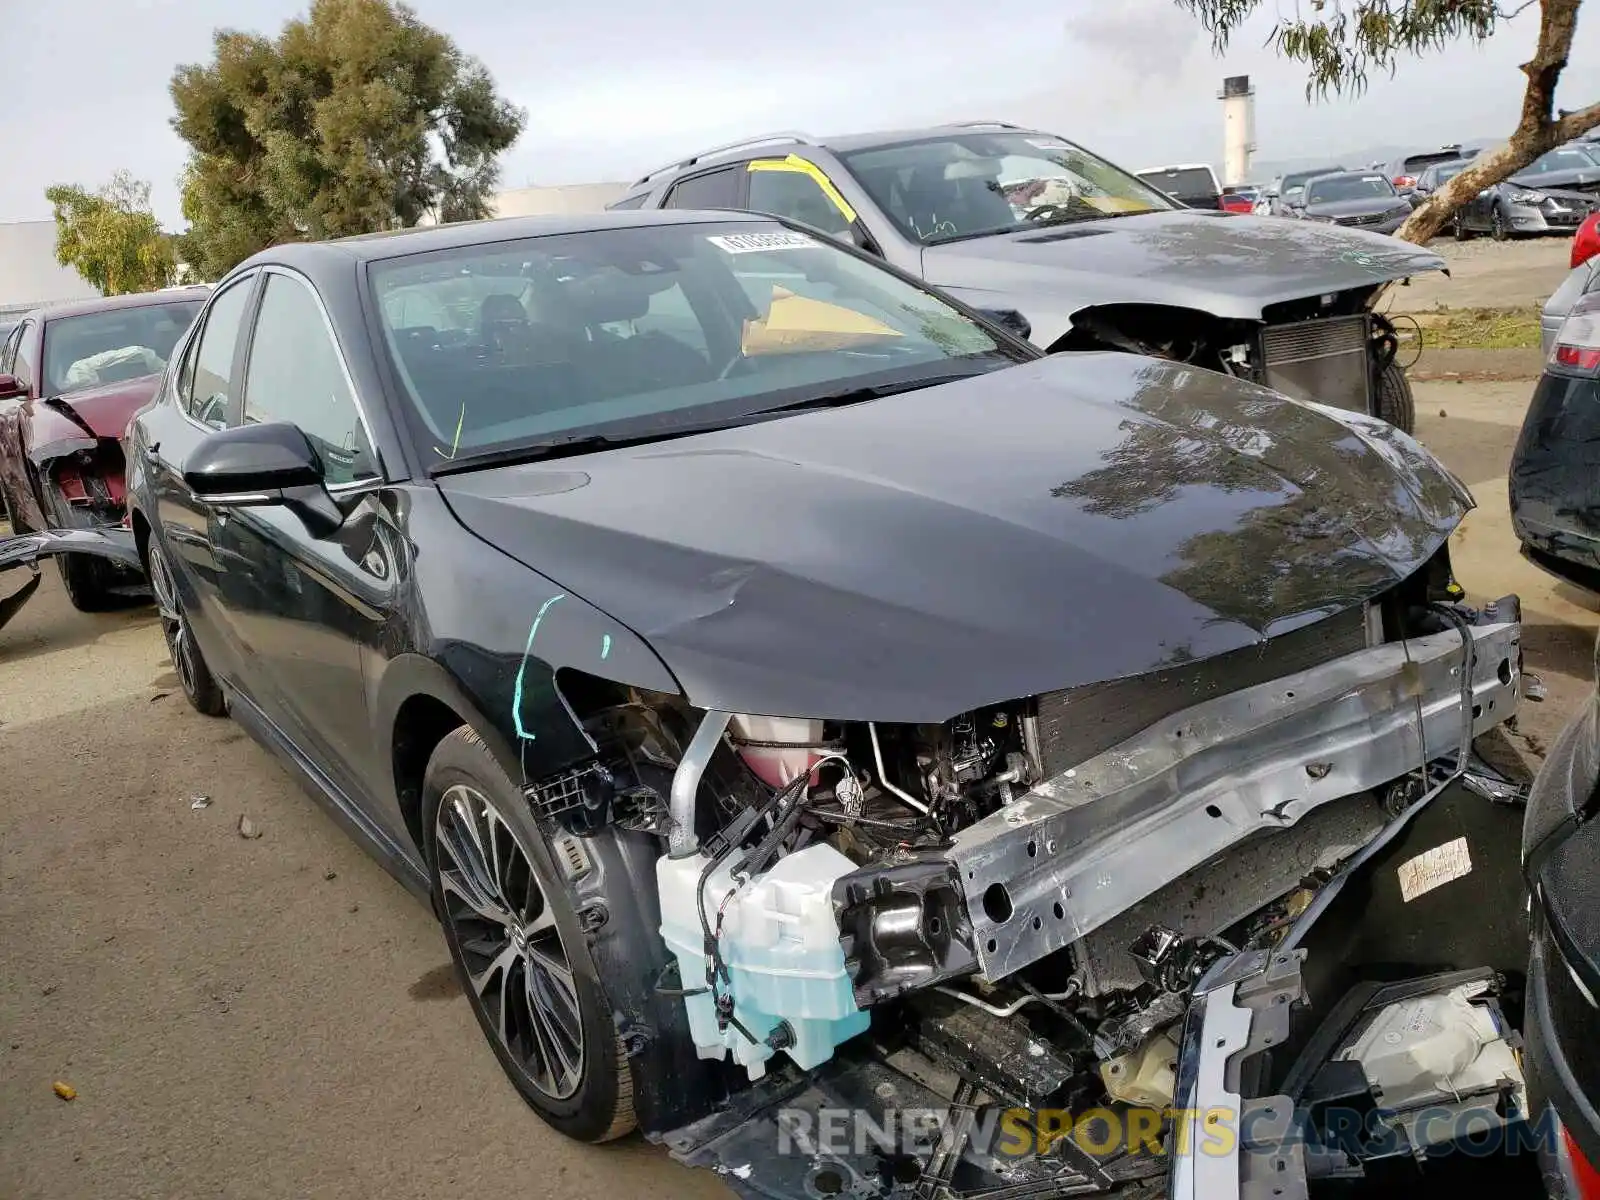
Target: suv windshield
{"type": "Point", "coordinates": [1333, 188]}
{"type": "Point", "coordinates": [110, 346]}
{"type": "Point", "coordinates": [637, 332]}
{"type": "Point", "coordinates": [956, 186]}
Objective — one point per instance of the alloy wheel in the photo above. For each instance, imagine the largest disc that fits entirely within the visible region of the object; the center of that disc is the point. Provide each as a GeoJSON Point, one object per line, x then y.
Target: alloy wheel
{"type": "Point", "coordinates": [1497, 225]}
{"type": "Point", "coordinates": [180, 641]}
{"type": "Point", "coordinates": [505, 928]}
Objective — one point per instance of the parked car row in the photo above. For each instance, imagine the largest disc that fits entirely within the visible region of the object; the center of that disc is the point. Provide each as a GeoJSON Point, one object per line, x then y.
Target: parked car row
{"type": "Point", "coordinates": [1555, 194]}
{"type": "Point", "coordinates": [904, 653]}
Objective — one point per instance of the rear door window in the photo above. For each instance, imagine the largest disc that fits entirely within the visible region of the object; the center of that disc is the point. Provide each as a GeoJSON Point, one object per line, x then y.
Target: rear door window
{"type": "Point", "coordinates": [798, 196]}
{"type": "Point", "coordinates": [715, 189]}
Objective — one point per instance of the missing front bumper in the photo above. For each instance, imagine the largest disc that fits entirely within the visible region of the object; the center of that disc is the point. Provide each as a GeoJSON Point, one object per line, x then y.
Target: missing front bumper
{"type": "Point", "coordinates": [1094, 840]}
{"type": "Point", "coordinates": [26, 549]}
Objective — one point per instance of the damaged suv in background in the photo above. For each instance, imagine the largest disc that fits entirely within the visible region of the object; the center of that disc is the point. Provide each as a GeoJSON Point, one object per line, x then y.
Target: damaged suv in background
{"type": "Point", "coordinates": [797, 698]}
{"type": "Point", "coordinates": [1076, 253]}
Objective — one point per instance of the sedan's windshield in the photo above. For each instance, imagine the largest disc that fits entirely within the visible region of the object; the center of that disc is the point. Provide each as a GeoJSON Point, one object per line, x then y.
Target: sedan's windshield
{"type": "Point", "coordinates": [966, 185]}
{"type": "Point", "coordinates": [1333, 188]}
{"type": "Point", "coordinates": [113, 345]}
{"type": "Point", "coordinates": [632, 331]}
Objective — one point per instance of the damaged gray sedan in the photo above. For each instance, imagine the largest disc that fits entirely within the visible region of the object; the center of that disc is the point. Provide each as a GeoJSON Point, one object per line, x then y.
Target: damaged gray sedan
{"type": "Point", "coordinates": [872, 756]}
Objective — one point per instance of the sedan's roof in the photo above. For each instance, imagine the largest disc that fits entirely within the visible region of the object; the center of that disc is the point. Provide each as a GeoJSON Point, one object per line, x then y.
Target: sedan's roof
{"type": "Point", "coordinates": [79, 308]}
{"type": "Point", "coordinates": [370, 247]}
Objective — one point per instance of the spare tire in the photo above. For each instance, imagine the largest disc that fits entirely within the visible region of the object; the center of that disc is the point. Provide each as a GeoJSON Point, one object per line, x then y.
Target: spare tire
{"type": "Point", "coordinates": [1395, 402]}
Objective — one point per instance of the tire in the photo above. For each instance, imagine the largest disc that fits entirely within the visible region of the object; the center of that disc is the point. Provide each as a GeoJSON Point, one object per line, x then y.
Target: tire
{"type": "Point", "coordinates": [1459, 228]}
{"type": "Point", "coordinates": [1498, 229]}
{"type": "Point", "coordinates": [1396, 405]}
{"type": "Point", "coordinates": [584, 1087]}
{"type": "Point", "coordinates": [199, 686]}
{"type": "Point", "coordinates": [84, 578]}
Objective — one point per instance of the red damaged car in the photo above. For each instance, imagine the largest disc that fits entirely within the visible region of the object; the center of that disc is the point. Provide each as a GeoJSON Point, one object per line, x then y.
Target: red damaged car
{"type": "Point", "coordinates": [71, 378]}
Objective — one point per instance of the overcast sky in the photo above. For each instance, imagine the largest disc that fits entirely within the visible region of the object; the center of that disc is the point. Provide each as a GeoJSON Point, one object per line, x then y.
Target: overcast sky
{"type": "Point", "coordinates": [612, 89]}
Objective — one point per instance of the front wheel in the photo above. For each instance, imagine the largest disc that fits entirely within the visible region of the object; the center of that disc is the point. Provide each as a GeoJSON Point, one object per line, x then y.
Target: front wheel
{"type": "Point", "coordinates": [1498, 227]}
{"type": "Point", "coordinates": [199, 686]}
{"type": "Point", "coordinates": [519, 951]}
{"type": "Point", "coordinates": [1396, 405]}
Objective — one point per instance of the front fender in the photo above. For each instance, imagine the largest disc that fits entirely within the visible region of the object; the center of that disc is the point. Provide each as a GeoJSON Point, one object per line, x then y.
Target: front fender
{"type": "Point", "coordinates": [489, 634]}
{"type": "Point", "coordinates": [47, 433]}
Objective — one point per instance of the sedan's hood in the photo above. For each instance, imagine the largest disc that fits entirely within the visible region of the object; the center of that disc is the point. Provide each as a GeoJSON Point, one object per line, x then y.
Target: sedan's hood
{"type": "Point", "coordinates": [1358, 208]}
{"type": "Point", "coordinates": [108, 407]}
{"type": "Point", "coordinates": [1058, 523]}
{"type": "Point", "coordinates": [1584, 180]}
{"type": "Point", "coordinates": [1232, 265]}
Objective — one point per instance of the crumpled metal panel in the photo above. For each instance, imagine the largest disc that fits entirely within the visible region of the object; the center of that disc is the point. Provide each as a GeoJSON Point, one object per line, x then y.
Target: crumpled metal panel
{"type": "Point", "coordinates": [1087, 844]}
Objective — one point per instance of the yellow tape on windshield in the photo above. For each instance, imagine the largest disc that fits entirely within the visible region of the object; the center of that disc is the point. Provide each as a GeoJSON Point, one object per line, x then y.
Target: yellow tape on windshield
{"type": "Point", "coordinates": [800, 166]}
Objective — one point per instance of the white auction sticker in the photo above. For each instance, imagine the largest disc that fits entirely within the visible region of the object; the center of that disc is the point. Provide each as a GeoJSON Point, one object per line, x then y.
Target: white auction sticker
{"type": "Point", "coordinates": [1434, 868]}
{"type": "Point", "coordinates": [747, 243]}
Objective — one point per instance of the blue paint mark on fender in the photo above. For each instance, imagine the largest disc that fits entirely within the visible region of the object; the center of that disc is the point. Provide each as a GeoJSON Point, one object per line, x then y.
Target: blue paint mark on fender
{"type": "Point", "coordinates": [516, 695]}
{"type": "Point", "coordinates": [605, 647]}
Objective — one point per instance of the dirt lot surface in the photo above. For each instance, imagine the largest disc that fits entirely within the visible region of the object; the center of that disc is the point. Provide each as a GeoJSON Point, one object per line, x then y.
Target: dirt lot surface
{"type": "Point", "coordinates": [275, 1017]}
{"type": "Point", "coordinates": [1487, 274]}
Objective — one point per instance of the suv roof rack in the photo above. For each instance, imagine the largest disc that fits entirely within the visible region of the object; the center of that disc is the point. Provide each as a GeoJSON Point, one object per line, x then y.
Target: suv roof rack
{"type": "Point", "coordinates": [783, 135]}
{"type": "Point", "coordinates": [984, 125]}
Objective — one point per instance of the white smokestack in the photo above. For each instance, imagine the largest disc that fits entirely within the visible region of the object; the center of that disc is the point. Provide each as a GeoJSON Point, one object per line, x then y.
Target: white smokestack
{"type": "Point", "coordinates": [1238, 129]}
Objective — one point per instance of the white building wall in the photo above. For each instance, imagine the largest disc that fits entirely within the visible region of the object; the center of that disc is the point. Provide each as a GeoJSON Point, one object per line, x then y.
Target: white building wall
{"type": "Point", "coordinates": [552, 201]}
{"type": "Point", "coordinates": [29, 273]}
{"type": "Point", "coordinates": [556, 201]}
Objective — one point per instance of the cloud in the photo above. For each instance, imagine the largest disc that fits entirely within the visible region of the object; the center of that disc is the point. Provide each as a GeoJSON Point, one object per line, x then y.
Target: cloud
{"type": "Point", "coordinates": [1143, 38]}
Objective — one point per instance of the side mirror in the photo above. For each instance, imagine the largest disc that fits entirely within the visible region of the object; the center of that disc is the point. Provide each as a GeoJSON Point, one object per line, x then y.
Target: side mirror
{"type": "Point", "coordinates": [12, 388]}
{"type": "Point", "coordinates": [1011, 320]}
{"type": "Point", "coordinates": [251, 466]}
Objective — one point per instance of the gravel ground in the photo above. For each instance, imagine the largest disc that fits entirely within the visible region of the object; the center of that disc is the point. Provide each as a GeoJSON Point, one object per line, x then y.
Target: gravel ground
{"type": "Point", "coordinates": [275, 1017]}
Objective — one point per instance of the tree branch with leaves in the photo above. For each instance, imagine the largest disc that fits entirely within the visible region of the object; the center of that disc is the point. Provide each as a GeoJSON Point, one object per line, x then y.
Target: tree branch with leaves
{"type": "Point", "coordinates": [1342, 43]}
{"type": "Point", "coordinates": [111, 236]}
{"type": "Point", "coordinates": [356, 118]}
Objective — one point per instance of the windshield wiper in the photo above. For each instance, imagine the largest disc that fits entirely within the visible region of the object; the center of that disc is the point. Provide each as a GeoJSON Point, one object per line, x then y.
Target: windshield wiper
{"type": "Point", "coordinates": [583, 443]}
{"type": "Point", "coordinates": [875, 391]}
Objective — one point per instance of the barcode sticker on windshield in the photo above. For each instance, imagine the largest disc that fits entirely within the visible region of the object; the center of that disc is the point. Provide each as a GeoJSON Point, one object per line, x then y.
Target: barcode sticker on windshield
{"type": "Point", "coordinates": [747, 243]}
{"type": "Point", "coordinates": [1434, 868]}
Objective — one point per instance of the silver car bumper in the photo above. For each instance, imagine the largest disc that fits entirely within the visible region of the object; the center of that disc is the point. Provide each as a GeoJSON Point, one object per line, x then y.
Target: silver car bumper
{"type": "Point", "coordinates": [1086, 845]}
